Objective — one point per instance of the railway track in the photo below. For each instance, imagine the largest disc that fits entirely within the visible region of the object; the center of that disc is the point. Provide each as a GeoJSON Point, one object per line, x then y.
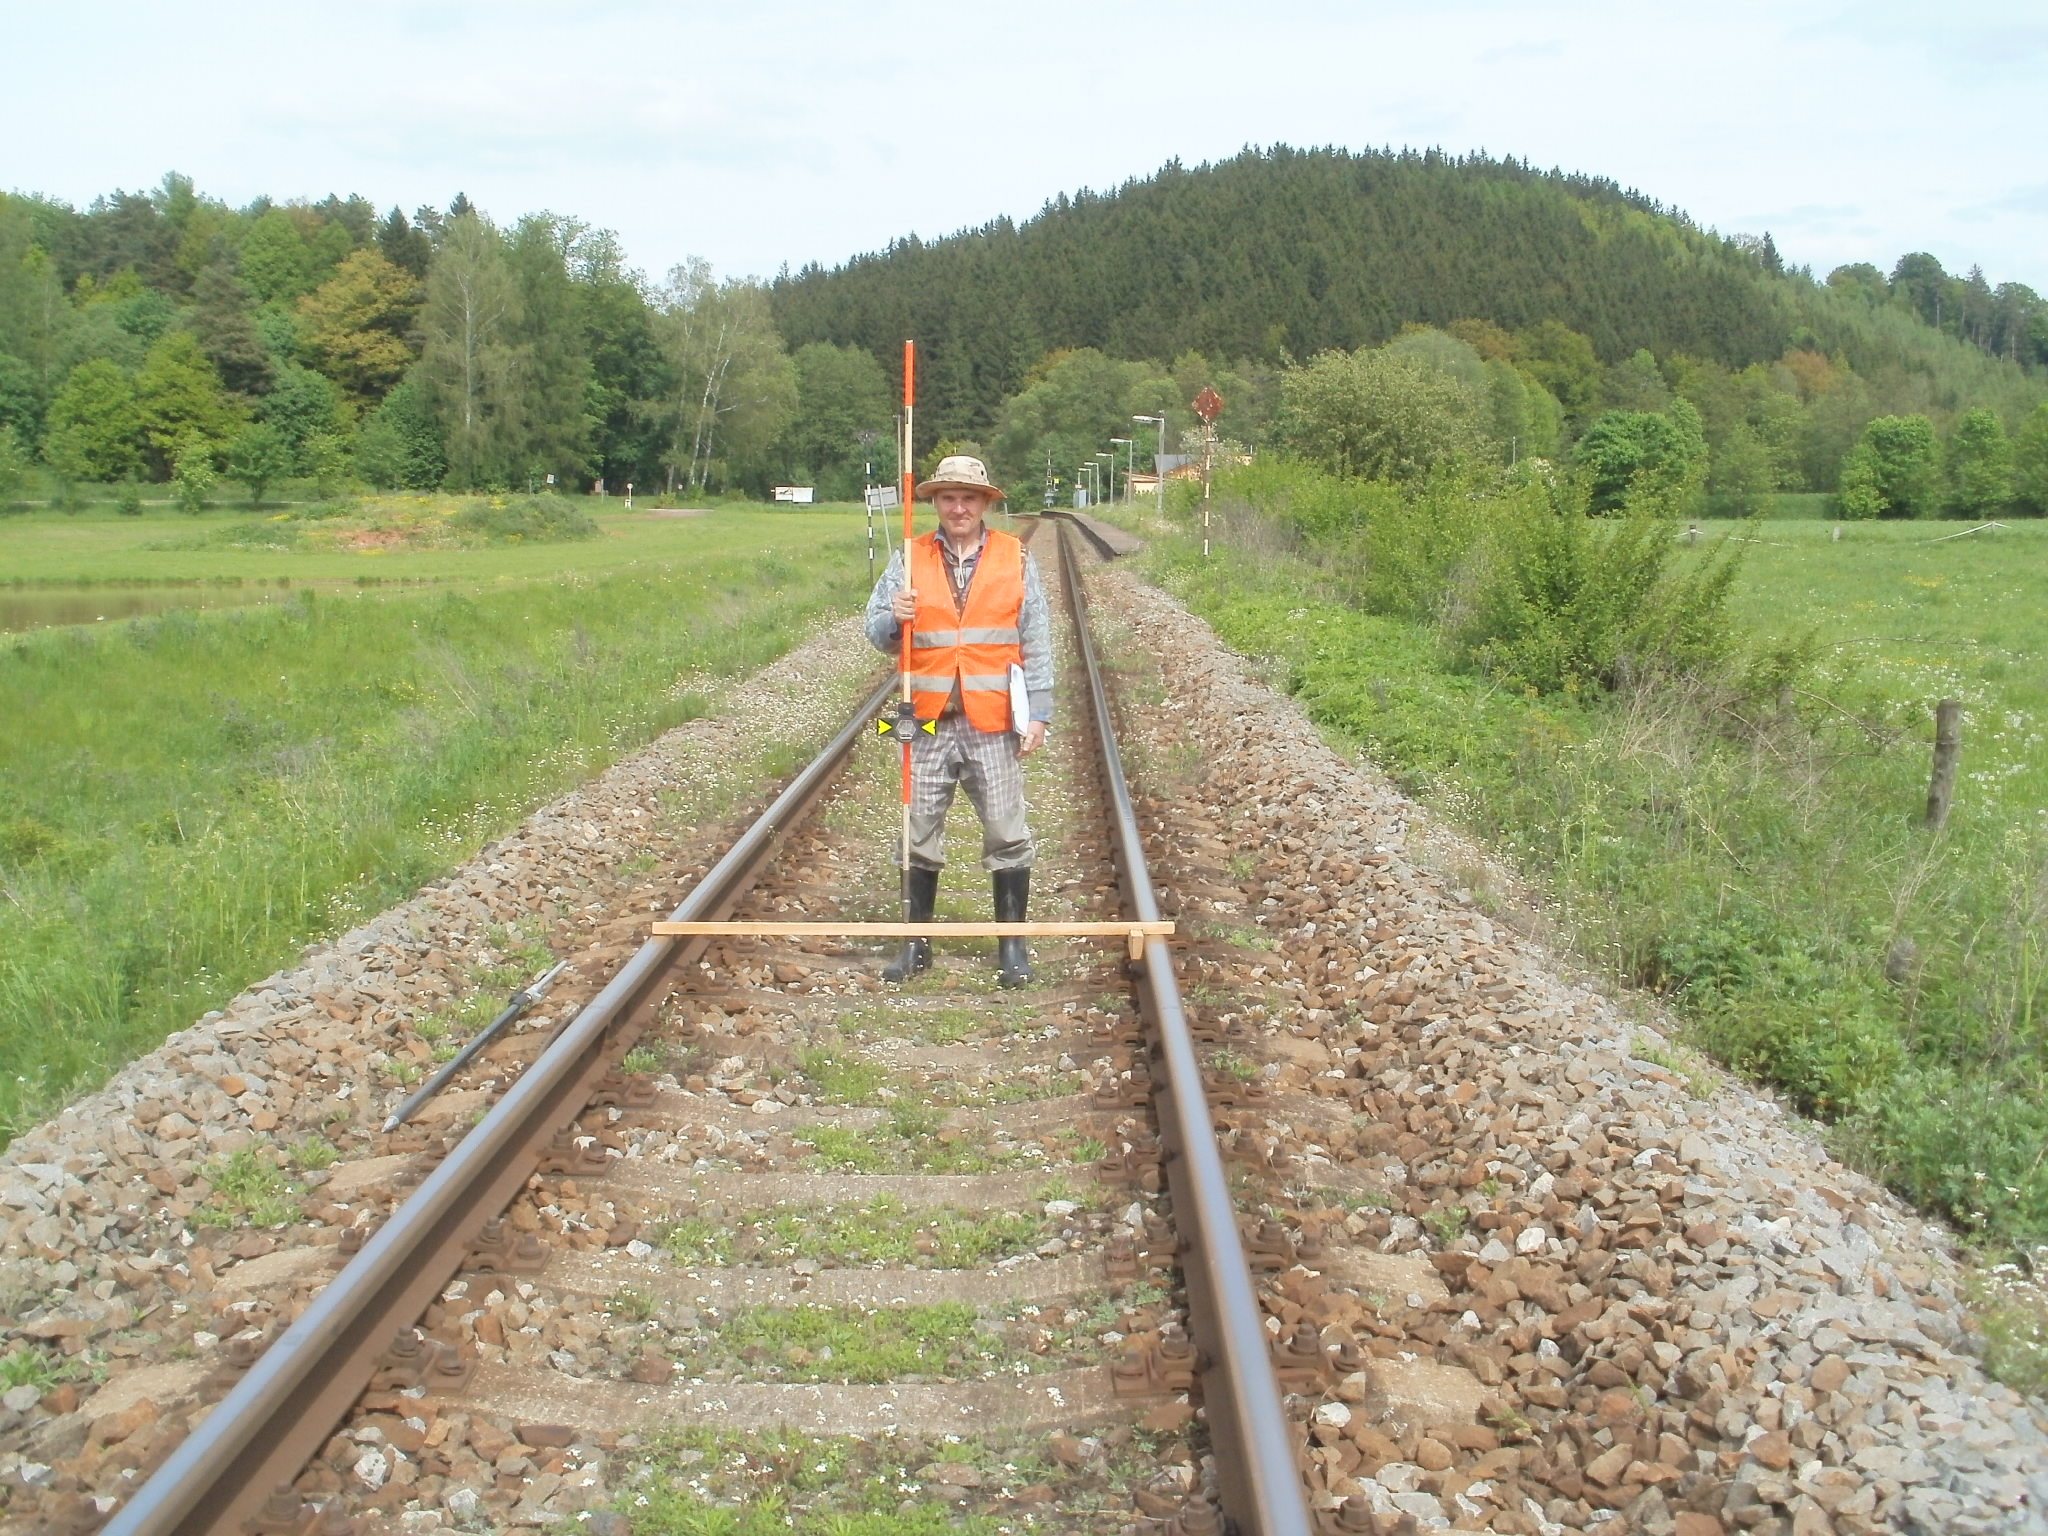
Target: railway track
{"type": "Point", "coordinates": [746, 1192]}
{"type": "Point", "coordinates": [823, 1255]}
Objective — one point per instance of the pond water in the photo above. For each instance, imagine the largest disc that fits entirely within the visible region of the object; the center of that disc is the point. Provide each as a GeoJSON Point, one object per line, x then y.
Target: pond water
{"type": "Point", "coordinates": [42, 607]}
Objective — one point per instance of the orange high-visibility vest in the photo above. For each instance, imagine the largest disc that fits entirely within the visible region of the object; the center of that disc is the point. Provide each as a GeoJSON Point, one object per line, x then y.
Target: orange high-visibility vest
{"type": "Point", "coordinates": [972, 648]}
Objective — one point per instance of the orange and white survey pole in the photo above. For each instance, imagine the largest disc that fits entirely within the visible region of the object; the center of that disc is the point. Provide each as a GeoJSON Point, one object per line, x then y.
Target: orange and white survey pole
{"type": "Point", "coordinates": [908, 461]}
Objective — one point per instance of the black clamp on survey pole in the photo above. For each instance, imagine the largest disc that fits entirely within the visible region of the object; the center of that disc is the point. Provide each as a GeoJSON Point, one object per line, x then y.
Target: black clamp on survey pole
{"type": "Point", "coordinates": [902, 723]}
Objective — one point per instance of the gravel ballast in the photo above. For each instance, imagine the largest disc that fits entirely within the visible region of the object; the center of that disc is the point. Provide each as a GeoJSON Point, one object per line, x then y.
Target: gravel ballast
{"type": "Point", "coordinates": [1704, 1321]}
{"type": "Point", "coordinates": [1679, 1313]}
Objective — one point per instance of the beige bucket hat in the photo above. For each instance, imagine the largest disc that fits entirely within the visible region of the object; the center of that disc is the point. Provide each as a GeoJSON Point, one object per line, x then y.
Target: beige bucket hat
{"type": "Point", "coordinates": [962, 472]}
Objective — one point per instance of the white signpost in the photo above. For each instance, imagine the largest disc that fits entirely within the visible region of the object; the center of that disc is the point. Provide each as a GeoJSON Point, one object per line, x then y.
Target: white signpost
{"type": "Point", "coordinates": [879, 498]}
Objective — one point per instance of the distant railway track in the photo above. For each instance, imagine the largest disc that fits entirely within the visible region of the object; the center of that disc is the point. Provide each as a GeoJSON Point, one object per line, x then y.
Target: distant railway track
{"type": "Point", "coordinates": [1175, 1274]}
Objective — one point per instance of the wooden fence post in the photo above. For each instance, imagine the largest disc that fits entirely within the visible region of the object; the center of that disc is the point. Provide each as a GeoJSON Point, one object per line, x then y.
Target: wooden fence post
{"type": "Point", "coordinates": [1948, 743]}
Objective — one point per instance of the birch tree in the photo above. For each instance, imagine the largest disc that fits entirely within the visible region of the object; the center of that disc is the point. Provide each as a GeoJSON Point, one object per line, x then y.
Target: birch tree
{"type": "Point", "coordinates": [733, 385]}
{"type": "Point", "coordinates": [470, 364]}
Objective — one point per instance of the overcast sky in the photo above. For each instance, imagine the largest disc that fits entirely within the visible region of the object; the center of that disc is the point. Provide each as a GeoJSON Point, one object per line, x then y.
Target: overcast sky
{"type": "Point", "coordinates": [768, 132]}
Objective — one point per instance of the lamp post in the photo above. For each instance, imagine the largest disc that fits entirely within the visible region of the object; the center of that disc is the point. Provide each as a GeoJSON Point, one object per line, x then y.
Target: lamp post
{"type": "Point", "coordinates": [1159, 463]}
{"type": "Point", "coordinates": [1088, 470]}
{"type": "Point", "coordinates": [1111, 475]}
{"type": "Point", "coordinates": [1129, 463]}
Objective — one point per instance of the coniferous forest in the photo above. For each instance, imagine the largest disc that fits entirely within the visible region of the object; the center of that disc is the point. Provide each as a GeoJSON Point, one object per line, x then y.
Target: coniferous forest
{"type": "Point", "coordinates": [448, 348]}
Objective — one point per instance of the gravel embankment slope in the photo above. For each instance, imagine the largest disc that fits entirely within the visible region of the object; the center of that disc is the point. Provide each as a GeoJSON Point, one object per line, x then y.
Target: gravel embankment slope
{"type": "Point", "coordinates": [1702, 1319]}
{"type": "Point", "coordinates": [108, 1267]}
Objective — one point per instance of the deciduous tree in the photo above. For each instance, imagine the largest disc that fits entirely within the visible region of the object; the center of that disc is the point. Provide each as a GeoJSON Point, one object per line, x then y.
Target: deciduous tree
{"type": "Point", "coordinates": [1919, 282]}
{"type": "Point", "coordinates": [324, 459]}
{"type": "Point", "coordinates": [1740, 474]}
{"type": "Point", "coordinates": [399, 447]}
{"type": "Point", "coordinates": [1893, 471]}
{"type": "Point", "coordinates": [180, 396]}
{"type": "Point", "coordinates": [840, 394]}
{"type": "Point", "coordinates": [1563, 362]}
{"type": "Point", "coordinates": [13, 464]}
{"type": "Point", "coordinates": [1833, 426]}
{"type": "Point", "coordinates": [2030, 462]}
{"type": "Point", "coordinates": [626, 362]}
{"type": "Point", "coordinates": [1379, 415]}
{"type": "Point", "coordinates": [303, 406]}
{"type": "Point", "coordinates": [21, 405]}
{"type": "Point", "coordinates": [354, 327]}
{"type": "Point", "coordinates": [192, 476]}
{"type": "Point", "coordinates": [1978, 466]}
{"type": "Point", "coordinates": [259, 457]}
{"type": "Point", "coordinates": [1071, 405]}
{"type": "Point", "coordinates": [1635, 384]}
{"type": "Point", "coordinates": [95, 425]}
{"type": "Point", "coordinates": [1861, 279]}
{"type": "Point", "coordinates": [1626, 453]}
{"type": "Point", "coordinates": [733, 384]}
{"type": "Point", "coordinates": [275, 262]}
{"type": "Point", "coordinates": [1442, 353]}
{"type": "Point", "coordinates": [36, 319]}
{"type": "Point", "coordinates": [1484, 337]}
{"type": "Point", "coordinates": [1522, 416]}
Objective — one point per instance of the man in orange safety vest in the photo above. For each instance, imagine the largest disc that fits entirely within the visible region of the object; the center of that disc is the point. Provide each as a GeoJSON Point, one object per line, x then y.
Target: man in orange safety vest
{"type": "Point", "coordinates": [975, 607]}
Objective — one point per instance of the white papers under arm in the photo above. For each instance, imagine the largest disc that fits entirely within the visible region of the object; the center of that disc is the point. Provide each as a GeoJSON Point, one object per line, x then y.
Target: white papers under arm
{"type": "Point", "coordinates": [1020, 700]}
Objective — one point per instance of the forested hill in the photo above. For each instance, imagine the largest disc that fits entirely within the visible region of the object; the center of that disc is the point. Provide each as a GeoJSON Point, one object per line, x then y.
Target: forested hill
{"type": "Point", "coordinates": [1286, 252]}
{"type": "Point", "coordinates": [163, 336]}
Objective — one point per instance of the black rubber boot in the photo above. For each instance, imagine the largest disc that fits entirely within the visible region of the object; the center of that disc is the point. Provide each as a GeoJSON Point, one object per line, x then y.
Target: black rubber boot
{"type": "Point", "coordinates": [1012, 896]}
{"type": "Point", "coordinates": [923, 889]}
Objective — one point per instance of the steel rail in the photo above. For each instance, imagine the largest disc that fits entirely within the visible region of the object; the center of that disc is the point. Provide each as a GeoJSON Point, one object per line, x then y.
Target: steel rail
{"type": "Point", "coordinates": [258, 1437]}
{"type": "Point", "coordinates": [280, 1414]}
{"type": "Point", "coordinates": [1258, 1474]}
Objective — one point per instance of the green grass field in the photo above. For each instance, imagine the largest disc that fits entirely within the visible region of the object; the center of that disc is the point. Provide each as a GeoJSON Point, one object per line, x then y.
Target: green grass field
{"type": "Point", "coordinates": [223, 545]}
{"type": "Point", "coordinates": [187, 799]}
{"type": "Point", "coordinates": [1905, 614]}
{"type": "Point", "coordinates": [1804, 505]}
{"type": "Point", "coordinates": [1752, 847]}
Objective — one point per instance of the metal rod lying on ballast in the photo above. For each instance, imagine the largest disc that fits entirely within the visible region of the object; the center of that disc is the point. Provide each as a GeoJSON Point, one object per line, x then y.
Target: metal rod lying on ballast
{"type": "Point", "coordinates": [520, 1001]}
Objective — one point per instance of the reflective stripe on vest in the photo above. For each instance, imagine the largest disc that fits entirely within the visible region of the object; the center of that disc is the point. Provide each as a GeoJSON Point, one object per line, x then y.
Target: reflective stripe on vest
{"type": "Point", "coordinates": [972, 649]}
{"type": "Point", "coordinates": [931, 638]}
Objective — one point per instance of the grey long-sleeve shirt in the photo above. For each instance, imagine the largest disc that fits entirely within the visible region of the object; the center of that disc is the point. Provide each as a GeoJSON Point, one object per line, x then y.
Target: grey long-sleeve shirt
{"type": "Point", "coordinates": [1034, 624]}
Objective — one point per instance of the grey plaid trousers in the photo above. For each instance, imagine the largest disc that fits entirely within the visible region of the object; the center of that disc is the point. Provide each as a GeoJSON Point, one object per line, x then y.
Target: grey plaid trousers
{"type": "Point", "coordinates": [987, 764]}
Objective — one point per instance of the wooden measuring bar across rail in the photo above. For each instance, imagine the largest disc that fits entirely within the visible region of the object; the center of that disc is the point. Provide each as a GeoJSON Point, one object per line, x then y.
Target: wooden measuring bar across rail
{"type": "Point", "coordinates": [1133, 932]}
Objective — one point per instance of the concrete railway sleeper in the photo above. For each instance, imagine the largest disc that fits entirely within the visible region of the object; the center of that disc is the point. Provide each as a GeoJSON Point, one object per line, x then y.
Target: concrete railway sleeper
{"type": "Point", "coordinates": [932, 1215]}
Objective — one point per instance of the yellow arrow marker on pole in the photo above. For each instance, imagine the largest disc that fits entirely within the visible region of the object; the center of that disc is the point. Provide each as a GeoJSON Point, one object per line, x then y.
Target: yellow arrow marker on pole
{"type": "Point", "coordinates": [888, 727]}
